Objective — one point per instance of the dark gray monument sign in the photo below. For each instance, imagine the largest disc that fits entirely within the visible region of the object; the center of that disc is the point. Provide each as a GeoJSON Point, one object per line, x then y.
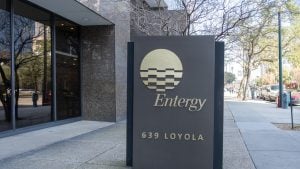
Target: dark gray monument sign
{"type": "Point", "coordinates": [174, 102]}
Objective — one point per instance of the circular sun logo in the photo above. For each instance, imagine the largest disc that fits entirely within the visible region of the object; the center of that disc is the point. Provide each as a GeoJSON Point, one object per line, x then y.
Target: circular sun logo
{"type": "Point", "coordinates": [161, 69]}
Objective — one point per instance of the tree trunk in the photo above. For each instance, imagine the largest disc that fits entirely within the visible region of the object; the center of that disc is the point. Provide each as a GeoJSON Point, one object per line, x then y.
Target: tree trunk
{"type": "Point", "coordinates": [246, 83]}
{"type": "Point", "coordinates": [6, 102]}
{"type": "Point", "coordinates": [17, 95]}
{"type": "Point", "coordinates": [8, 109]}
{"type": "Point", "coordinates": [5, 97]}
{"type": "Point", "coordinates": [45, 67]}
{"type": "Point", "coordinates": [35, 83]}
{"type": "Point", "coordinates": [241, 87]}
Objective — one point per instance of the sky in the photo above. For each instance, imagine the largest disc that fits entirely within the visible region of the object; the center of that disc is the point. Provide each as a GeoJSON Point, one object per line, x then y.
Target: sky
{"type": "Point", "coordinates": [171, 3]}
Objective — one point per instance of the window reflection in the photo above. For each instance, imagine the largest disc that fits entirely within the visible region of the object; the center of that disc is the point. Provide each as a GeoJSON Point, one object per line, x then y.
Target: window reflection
{"type": "Point", "coordinates": [33, 65]}
{"type": "Point", "coordinates": [5, 61]}
{"type": "Point", "coordinates": [67, 68]}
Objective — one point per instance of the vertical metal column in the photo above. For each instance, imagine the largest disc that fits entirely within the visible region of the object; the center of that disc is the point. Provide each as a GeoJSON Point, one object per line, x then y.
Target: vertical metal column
{"type": "Point", "coordinates": [292, 113]}
{"type": "Point", "coordinates": [53, 66]}
{"type": "Point", "coordinates": [280, 60]}
{"type": "Point", "coordinates": [130, 69]}
{"type": "Point", "coordinates": [12, 76]}
{"type": "Point", "coordinates": [219, 104]}
{"type": "Point", "coordinates": [80, 54]}
{"type": "Point", "coordinates": [44, 90]}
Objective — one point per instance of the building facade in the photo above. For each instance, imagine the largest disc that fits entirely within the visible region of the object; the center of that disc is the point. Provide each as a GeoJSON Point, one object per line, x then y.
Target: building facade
{"type": "Point", "coordinates": [63, 61]}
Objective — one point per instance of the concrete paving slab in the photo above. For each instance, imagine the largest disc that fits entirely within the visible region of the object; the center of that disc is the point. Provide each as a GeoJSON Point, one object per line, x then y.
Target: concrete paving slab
{"type": "Point", "coordinates": [113, 157]}
{"type": "Point", "coordinates": [245, 114]}
{"type": "Point", "coordinates": [276, 159]}
{"type": "Point", "coordinates": [270, 141]}
{"type": "Point", "coordinates": [235, 154]}
{"type": "Point", "coordinates": [110, 134]}
{"type": "Point", "coordinates": [236, 162]}
{"type": "Point", "coordinates": [93, 166]}
{"type": "Point", "coordinates": [25, 142]}
{"type": "Point", "coordinates": [21, 163]}
{"type": "Point", "coordinates": [93, 147]}
{"type": "Point", "coordinates": [105, 149]}
{"type": "Point", "coordinates": [295, 135]}
{"type": "Point", "coordinates": [234, 144]}
{"type": "Point", "coordinates": [76, 152]}
{"type": "Point", "coordinates": [256, 126]}
{"type": "Point", "coordinates": [269, 146]}
{"type": "Point", "coordinates": [229, 124]}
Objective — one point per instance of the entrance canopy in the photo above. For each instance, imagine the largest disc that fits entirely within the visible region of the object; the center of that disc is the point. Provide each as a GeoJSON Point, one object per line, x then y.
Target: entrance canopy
{"type": "Point", "coordinates": [74, 11]}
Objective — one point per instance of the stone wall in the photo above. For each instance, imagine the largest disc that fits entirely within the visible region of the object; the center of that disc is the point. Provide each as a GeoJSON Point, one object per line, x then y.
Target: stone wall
{"type": "Point", "coordinates": [118, 13]}
{"type": "Point", "coordinates": [92, 4]}
{"type": "Point", "coordinates": [98, 73]}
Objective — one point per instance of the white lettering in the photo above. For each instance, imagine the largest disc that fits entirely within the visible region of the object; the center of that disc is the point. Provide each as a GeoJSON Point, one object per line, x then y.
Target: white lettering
{"type": "Point", "coordinates": [187, 136]}
{"type": "Point", "coordinates": [193, 104]}
{"type": "Point", "coordinates": [173, 136]}
{"type": "Point", "coordinates": [158, 99]}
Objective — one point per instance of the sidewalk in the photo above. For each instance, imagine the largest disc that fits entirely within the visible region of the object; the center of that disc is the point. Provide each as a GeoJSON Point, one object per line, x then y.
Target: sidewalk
{"type": "Point", "coordinates": [235, 155]}
{"type": "Point", "coordinates": [269, 146]}
{"type": "Point", "coordinates": [103, 148]}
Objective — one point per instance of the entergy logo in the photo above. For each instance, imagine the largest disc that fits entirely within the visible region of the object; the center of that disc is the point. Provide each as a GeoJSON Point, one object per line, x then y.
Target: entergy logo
{"type": "Point", "coordinates": [161, 70]}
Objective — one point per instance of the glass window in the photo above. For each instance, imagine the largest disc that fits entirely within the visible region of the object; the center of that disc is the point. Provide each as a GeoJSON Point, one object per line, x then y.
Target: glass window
{"type": "Point", "coordinates": [67, 68]}
{"type": "Point", "coordinates": [33, 65]}
{"type": "Point", "coordinates": [5, 61]}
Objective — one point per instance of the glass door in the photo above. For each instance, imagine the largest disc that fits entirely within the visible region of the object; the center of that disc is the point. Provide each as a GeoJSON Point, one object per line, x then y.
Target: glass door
{"type": "Point", "coordinates": [32, 54]}
{"type": "Point", "coordinates": [67, 70]}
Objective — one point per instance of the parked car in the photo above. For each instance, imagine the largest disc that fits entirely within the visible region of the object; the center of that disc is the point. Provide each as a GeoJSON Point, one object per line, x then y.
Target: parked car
{"type": "Point", "coordinates": [264, 92]}
{"type": "Point", "coordinates": [270, 92]}
{"type": "Point", "coordinates": [258, 93]}
{"type": "Point", "coordinates": [26, 92]}
{"type": "Point", "coordinates": [295, 98]}
{"type": "Point", "coordinates": [273, 92]}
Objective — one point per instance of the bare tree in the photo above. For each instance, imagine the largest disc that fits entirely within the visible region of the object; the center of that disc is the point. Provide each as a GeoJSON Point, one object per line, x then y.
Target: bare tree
{"type": "Point", "coordinates": [227, 17]}
{"type": "Point", "coordinates": [250, 38]}
{"type": "Point", "coordinates": [27, 33]}
{"type": "Point", "coordinates": [155, 21]}
{"type": "Point", "coordinates": [5, 64]}
{"type": "Point", "coordinates": [192, 17]}
{"type": "Point", "coordinates": [257, 38]}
